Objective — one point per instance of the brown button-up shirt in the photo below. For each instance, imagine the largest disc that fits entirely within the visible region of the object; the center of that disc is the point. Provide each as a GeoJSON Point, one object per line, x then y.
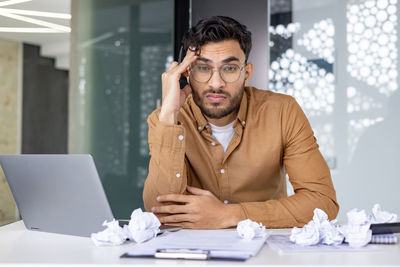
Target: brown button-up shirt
{"type": "Point", "coordinates": [272, 137]}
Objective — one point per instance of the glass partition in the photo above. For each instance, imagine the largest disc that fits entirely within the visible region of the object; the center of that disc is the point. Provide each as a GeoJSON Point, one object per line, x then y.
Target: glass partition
{"type": "Point", "coordinates": [339, 59]}
{"type": "Point", "coordinates": [119, 48]}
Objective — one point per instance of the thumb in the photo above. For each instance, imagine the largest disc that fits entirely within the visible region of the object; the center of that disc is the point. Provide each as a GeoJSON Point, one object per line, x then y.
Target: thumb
{"type": "Point", "coordinates": [197, 191]}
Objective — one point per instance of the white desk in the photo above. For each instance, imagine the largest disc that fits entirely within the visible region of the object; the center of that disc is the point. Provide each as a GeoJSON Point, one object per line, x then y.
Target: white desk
{"type": "Point", "coordinates": [21, 246]}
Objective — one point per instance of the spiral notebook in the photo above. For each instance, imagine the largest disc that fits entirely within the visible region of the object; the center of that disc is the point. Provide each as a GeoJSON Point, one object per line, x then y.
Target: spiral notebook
{"type": "Point", "coordinates": [384, 239]}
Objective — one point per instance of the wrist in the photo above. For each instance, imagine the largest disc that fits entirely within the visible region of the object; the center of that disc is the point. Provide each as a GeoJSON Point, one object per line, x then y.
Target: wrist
{"type": "Point", "coordinates": [168, 117]}
{"type": "Point", "coordinates": [234, 215]}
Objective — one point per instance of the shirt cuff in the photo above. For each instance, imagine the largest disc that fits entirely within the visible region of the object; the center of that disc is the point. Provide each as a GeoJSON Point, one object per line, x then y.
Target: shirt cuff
{"type": "Point", "coordinates": [170, 136]}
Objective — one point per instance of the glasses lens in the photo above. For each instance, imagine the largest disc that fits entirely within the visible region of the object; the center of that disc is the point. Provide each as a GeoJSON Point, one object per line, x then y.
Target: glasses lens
{"type": "Point", "coordinates": [230, 72]}
{"type": "Point", "coordinates": [201, 73]}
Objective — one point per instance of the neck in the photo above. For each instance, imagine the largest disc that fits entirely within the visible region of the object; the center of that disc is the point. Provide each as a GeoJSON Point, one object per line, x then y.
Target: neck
{"type": "Point", "coordinates": [224, 120]}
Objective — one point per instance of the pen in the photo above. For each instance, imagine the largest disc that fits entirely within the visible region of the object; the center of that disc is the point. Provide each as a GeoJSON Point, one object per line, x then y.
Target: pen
{"type": "Point", "coordinates": [188, 254]}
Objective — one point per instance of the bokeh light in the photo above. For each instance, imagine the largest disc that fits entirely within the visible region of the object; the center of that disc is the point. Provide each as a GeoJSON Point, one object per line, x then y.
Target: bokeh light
{"type": "Point", "coordinates": [371, 43]}
{"type": "Point", "coordinates": [319, 40]}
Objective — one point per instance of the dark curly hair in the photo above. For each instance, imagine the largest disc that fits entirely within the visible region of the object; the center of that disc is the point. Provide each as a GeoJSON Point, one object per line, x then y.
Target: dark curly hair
{"type": "Point", "coordinates": [215, 29]}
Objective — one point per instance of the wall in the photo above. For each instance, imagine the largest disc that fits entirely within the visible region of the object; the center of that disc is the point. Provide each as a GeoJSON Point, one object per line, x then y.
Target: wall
{"type": "Point", "coordinates": [45, 104]}
{"type": "Point", "coordinates": [9, 120]}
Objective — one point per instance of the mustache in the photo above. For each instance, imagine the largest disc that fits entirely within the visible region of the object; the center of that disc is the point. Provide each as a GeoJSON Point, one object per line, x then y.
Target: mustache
{"type": "Point", "coordinates": [219, 91]}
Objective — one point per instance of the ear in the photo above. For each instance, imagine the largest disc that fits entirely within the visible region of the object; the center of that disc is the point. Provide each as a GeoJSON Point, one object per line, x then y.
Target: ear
{"type": "Point", "coordinates": [248, 72]}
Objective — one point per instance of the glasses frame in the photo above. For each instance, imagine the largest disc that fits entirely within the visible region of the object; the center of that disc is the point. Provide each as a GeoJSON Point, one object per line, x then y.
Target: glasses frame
{"type": "Point", "coordinates": [219, 71]}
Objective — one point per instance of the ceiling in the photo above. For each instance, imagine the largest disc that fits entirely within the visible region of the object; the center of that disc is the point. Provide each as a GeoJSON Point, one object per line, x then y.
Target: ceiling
{"type": "Point", "coordinates": [57, 6]}
{"type": "Point", "coordinates": [54, 44]}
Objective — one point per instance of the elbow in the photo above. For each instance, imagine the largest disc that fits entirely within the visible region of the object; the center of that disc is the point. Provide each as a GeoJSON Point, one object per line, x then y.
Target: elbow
{"type": "Point", "coordinates": [332, 209]}
{"type": "Point", "coordinates": [149, 198]}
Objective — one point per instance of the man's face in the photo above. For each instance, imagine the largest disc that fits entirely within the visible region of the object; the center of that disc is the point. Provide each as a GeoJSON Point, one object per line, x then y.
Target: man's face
{"type": "Point", "coordinates": [216, 97]}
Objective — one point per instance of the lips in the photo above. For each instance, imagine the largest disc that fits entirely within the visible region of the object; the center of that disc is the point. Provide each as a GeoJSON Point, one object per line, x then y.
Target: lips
{"type": "Point", "coordinates": [216, 98]}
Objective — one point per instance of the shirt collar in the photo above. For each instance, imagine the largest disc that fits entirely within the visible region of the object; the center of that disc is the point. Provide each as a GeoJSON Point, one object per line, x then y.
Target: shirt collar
{"type": "Point", "coordinates": [202, 121]}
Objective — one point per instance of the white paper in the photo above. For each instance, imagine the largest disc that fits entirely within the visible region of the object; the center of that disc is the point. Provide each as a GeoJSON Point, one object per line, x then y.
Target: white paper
{"type": "Point", "coordinates": [308, 235]}
{"type": "Point", "coordinates": [113, 235]}
{"type": "Point", "coordinates": [318, 231]}
{"type": "Point", "coordinates": [356, 231]}
{"type": "Point", "coordinates": [248, 230]}
{"type": "Point", "coordinates": [282, 244]}
{"type": "Point", "coordinates": [143, 226]}
{"type": "Point", "coordinates": [222, 241]}
{"type": "Point", "coordinates": [330, 234]}
{"type": "Point", "coordinates": [380, 216]}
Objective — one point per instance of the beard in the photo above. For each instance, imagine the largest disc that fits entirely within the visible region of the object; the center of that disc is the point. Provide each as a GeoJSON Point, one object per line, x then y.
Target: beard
{"type": "Point", "coordinates": [218, 110]}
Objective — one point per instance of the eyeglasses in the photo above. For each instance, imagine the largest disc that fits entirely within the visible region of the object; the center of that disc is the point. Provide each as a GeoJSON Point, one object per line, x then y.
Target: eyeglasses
{"type": "Point", "coordinates": [228, 72]}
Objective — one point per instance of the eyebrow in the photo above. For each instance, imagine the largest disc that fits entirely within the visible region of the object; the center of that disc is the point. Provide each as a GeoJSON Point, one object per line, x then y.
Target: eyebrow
{"type": "Point", "coordinates": [226, 60]}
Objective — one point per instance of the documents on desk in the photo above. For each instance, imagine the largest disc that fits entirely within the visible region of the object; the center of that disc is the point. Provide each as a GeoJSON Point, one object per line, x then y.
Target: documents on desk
{"type": "Point", "coordinates": [282, 244]}
{"type": "Point", "coordinates": [222, 244]}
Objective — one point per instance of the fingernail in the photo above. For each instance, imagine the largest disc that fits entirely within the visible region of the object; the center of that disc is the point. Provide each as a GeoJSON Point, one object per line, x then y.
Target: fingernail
{"type": "Point", "coordinates": [158, 198]}
{"type": "Point", "coordinates": [153, 209]}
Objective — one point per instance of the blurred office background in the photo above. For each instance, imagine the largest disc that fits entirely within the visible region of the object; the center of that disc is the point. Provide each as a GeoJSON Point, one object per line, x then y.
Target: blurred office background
{"type": "Point", "coordinates": [84, 76]}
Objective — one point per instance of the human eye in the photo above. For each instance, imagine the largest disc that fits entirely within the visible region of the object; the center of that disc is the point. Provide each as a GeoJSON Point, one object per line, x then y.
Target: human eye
{"type": "Point", "coordinates": [229, 68]}
{"type": "Point", "coordinates": [203, 68]}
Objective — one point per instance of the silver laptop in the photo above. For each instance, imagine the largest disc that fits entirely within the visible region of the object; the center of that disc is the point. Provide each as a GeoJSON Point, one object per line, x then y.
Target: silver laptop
{"type": "Point", "coordinates": [57, 193]}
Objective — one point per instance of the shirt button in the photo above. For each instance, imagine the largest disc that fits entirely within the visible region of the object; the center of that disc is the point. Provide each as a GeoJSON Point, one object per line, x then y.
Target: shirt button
{"type": "Point", "coordinates": [222, 171]}
{"type": "Point", "coordinates": [178, 175]}
{"type": "Point", "coordinates": [180, 137]}
{"type": "Point", "coordinates": [243, 122]}
{"type": "Point", "coordinates": [213, 143]}
{"type": "Point", "coordinates": [226, 201]}
{"type": "Point", "coordinates": [199, 128]}
{"type": "Point", "coordinates": [206, 126]}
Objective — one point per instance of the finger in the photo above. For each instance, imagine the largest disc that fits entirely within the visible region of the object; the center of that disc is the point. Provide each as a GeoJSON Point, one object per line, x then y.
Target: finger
{"type": "Point", "coordinates": [177, 218]}
{"type": "Point", "coordinates": [174, 198]}
{"type": "Point", "coordinates": [173, 65]}
{"type": "Point", "coordinates": [187, 61]}
{"type": "Point", "coordinates": [197, 191]}
{"type": "Point", "coordinates": [185, 225]}
{"type": "Point", "coordinates": [171, 209]}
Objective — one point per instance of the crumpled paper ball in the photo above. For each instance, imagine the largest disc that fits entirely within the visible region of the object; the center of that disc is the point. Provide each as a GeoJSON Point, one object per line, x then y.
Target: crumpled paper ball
{"type": "Point", "coordinates": [113, 235]}
{"type": "Point", "coordinates": [143, 226]}
{"type": "Point", "coordinates": [380, 216]}
{"type": "Point", "coordinates": [306, 236]}
{"type": "Point", "coordinates": [247, 229]}
{"type": "Point", "coordinates": [356, 231]}
{"type": "Point", "coordinates": [330, 234]}
{"type": "Point", "coordinates": [318, 230]}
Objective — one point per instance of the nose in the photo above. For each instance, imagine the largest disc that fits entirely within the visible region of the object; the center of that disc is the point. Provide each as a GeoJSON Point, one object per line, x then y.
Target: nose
{"type": "Point", "coordinates": [216, 81]}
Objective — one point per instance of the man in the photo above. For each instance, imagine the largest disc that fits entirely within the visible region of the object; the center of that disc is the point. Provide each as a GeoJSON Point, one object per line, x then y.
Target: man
{"type": "Point", "coordinates": [220, 149]}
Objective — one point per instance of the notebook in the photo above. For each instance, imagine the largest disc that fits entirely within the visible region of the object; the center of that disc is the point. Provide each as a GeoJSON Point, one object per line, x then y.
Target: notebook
{"type": "Point", "coordinates": [384, 239]}
{"type": "Point", "coordinates": [57, 193]}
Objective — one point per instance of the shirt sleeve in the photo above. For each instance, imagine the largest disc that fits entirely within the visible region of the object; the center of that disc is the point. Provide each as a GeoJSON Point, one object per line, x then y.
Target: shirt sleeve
{"type": "Point", "coordinates": [167, 168]}
{"type": "Point", "coordinates": [308, 173]}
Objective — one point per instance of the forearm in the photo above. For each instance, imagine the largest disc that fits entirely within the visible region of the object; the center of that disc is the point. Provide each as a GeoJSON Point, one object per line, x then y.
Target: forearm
{"type": "Point", "coordinates": [295, 210]}
{"type": "Point", "coordinates": [161, 181]}
{"type": "Point", "coordinates": [167, 169]}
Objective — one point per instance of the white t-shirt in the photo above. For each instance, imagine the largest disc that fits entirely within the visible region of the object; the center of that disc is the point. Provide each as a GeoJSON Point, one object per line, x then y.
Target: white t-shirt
{"type": "Point", "coordinates": [223, 134]}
